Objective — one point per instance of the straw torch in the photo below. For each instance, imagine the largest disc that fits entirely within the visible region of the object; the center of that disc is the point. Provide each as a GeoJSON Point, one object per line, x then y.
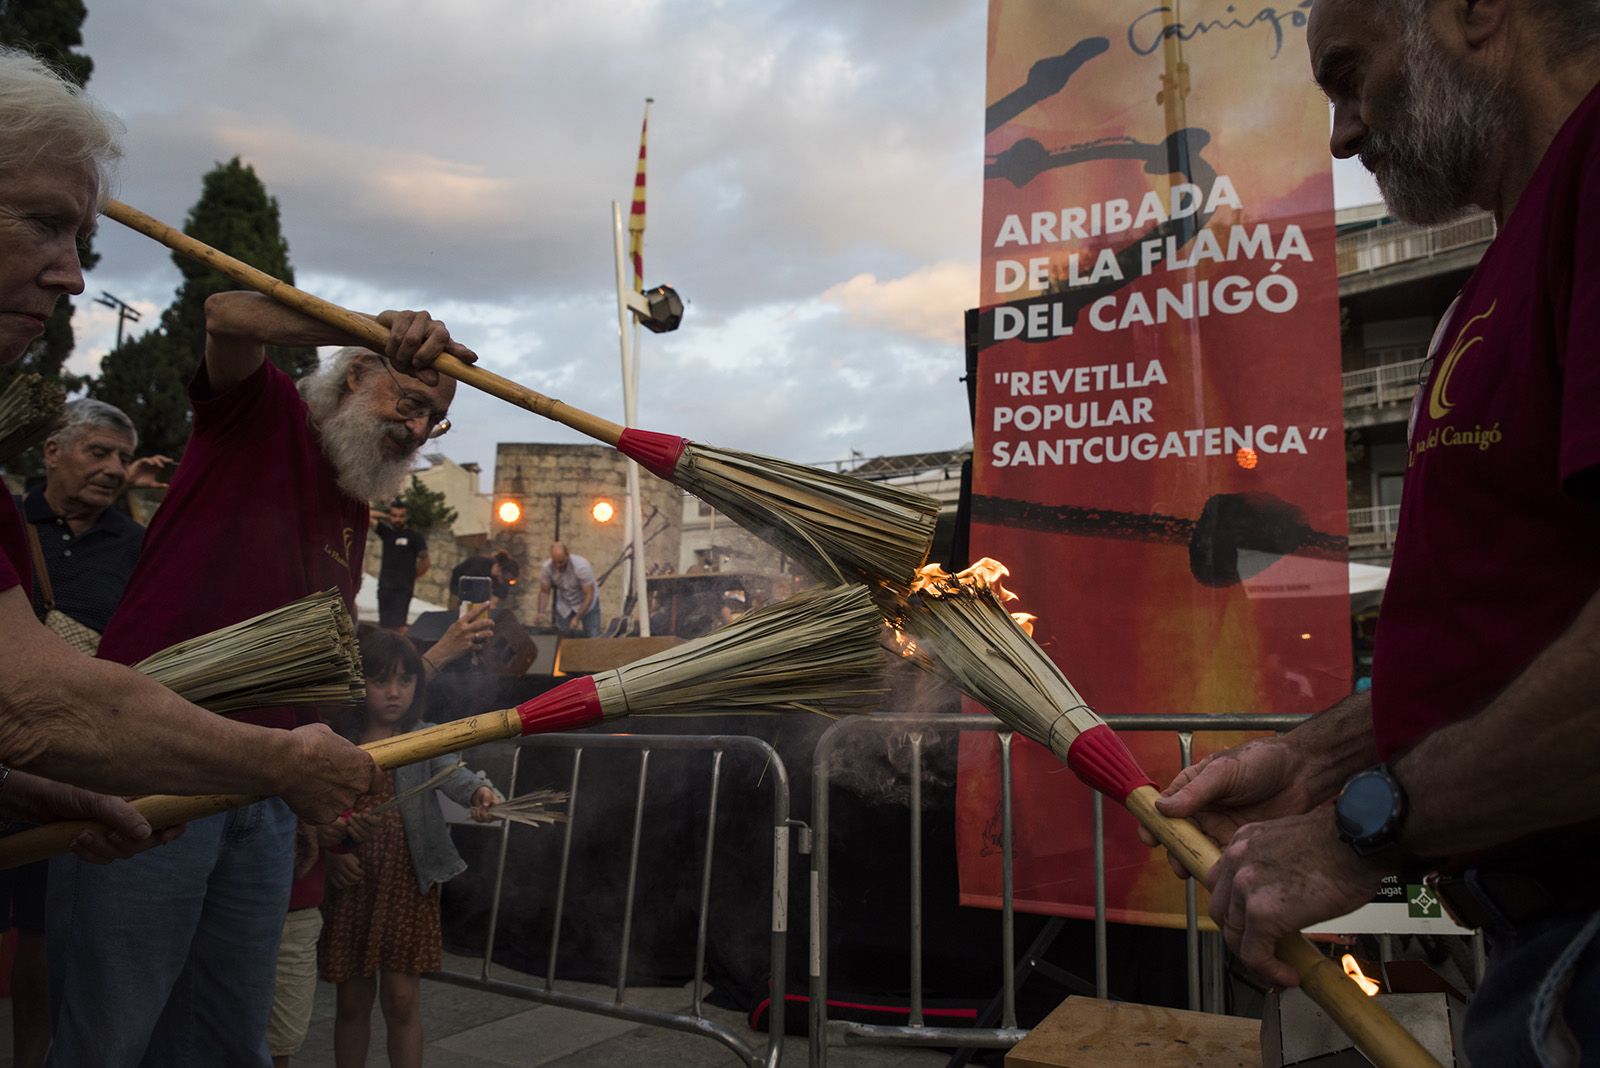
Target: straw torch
{"type": "Point", "coordinates": [838, 527]}
{"type": "Point", "coordinates": [816, 652]}
{"type": "Point", "coordinates": [958, 625]}
{"type": "Point", "coordinates": [30, 409]}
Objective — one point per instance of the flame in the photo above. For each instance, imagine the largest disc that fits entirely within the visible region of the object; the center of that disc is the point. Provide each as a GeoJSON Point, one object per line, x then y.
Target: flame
{"type": "Point", "coordinates": [935, 581]}
{"type": "Point", "coordinates": [904, 644]}
{"type": "Point", "coordinates": [1368, 987]}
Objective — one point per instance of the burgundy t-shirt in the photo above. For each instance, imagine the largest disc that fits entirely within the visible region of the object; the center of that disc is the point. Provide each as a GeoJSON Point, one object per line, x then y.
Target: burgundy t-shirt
{"type": "Point", "coordinates": [16, 560]}
{"type": "Point", "coordinates": [254, 519]}
{"type": "Point", "coordinates": [1498, 546]}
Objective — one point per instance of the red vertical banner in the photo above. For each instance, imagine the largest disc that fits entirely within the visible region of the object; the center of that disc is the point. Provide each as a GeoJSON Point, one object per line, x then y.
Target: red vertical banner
{"type": "Point", "coordinates": [1159, 445]}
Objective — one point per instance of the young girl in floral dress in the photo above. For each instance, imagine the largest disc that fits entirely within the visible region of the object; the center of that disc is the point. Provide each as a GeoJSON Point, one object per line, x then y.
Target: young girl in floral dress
{"type": "Point", "coordinates": [381, 917]}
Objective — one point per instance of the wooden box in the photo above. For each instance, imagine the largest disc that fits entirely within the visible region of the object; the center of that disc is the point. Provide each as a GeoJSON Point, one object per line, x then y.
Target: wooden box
{"type": "Point", "coordinates": [1090, 1033]}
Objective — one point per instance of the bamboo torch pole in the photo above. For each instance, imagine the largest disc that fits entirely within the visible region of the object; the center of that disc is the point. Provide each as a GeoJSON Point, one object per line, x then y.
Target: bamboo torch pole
{"type": "Point", "coordinates": [962, 629]}
{"type": "Point", "coordinates": [369, 331]}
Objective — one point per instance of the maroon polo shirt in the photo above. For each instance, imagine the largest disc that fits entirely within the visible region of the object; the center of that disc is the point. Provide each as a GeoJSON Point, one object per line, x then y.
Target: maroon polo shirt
{"type": "Point", "coordinates": [1499, 539]}
{"type": "Point", "coordinates": [253, 520]}
{"type": "Point", "coordinates": [16, 561]}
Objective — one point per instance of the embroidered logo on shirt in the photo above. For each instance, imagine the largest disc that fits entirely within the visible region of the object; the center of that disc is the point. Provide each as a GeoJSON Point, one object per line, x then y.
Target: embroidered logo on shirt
{"type": "Point", "coordinates": [343, 560]}
{"type": "Point", "coordinates": [1439, 403]}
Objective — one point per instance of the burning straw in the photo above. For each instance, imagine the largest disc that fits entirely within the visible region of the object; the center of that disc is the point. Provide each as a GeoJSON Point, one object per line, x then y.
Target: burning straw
{"type": "Point", "coordinates": [817, 652]}
{"type": "Point", "coordinates": [304, 653]}
{"type": "Point", "coordinates": [30, 408]}
{"type": "Point", "coordinates": [837, 527]}
{"type": "Point", "coordinates": [959, 626]}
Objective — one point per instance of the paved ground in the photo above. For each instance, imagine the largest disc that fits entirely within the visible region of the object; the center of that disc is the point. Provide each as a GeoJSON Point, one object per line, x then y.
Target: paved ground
{"type": "Point", "coordinates": [469, 1029]}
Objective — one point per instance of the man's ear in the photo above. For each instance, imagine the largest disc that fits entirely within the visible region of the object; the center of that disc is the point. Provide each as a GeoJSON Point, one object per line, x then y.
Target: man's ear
{"type": "Point", "coordinates": [1481, 20]}
{"type": "Point", "coordinates": [52, 454]}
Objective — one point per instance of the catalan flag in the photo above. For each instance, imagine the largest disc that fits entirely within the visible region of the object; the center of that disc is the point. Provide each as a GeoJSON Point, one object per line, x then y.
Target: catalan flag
{"type": "Point", "coordinates": [636, 214]}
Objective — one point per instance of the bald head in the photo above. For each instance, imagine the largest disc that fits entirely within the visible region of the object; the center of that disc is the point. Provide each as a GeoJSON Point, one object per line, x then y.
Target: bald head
{"type": "Point", "coordinates": [558, 554]}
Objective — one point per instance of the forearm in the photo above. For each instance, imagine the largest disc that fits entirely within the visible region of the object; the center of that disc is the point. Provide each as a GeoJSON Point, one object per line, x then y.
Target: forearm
{"type": "Point", "coordinates": [588, 599]}
{"type": "Point", "coordinates": [1524, 764]}
{"type": "Point", "coordinates": [1335, 744]}
{"type": "Point", "coordinates": [108, 728]}
{"type": "Point", "coordinates": [252, 317]}
{"type": "Point", "coordinates": [240, 325]}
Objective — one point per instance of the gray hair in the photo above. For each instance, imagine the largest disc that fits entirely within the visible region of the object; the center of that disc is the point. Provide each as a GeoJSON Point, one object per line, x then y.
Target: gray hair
{"type": "Point", "coordinates": [45, 118]}
{"type": "Point", "coordinates": [89, 414]}
{"type": "Point", "coordinates": [1571, 27]}
{"type": "Point", "coordinates": [324, 388]}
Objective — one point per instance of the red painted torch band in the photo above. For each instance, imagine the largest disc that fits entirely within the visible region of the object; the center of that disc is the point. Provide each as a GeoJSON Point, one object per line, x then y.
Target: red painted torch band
{"type": "Point", "coordinates": [1099, 758]}
{"type": "Point", "coordinates": [569, 706]}
{"type": "Point", "coordinates": [657, 453]}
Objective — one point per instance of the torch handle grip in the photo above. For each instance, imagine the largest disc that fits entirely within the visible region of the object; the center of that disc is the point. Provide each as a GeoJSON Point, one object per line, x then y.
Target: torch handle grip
{"type": "Point", "coordinates": [370, 332]}
{"type": "Point", "coordinates": [167, 810]}
{"type": "Point", "coordinates": [1375, 1033]}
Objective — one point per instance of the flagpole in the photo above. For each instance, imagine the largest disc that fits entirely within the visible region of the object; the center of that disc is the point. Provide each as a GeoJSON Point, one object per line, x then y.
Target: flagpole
{"type": "Point", "coordinates": [634, 534]}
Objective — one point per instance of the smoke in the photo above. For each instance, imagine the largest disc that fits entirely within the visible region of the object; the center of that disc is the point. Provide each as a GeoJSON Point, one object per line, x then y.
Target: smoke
{"type": "Point", "coordinates": [877, 764]}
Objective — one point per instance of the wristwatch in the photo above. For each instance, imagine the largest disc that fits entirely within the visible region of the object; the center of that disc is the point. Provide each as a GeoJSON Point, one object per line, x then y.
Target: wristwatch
{"type": "Point", "coordinates": [1370, 812]}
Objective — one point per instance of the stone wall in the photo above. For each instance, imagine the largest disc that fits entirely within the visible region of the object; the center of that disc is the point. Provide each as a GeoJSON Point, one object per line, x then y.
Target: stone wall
{"type": "Point", "coordinates": [557, 485]}
{"type": "Point", "coordinates": [445, 551]}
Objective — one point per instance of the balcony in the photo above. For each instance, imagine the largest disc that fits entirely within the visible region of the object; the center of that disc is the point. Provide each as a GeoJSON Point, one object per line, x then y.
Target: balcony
{"type": "Point", "coordinates": [1372, 530]}
{"type": "Point", "coordinates": [1392, 244]}
{"type": "Point", "coordinates": [1389, 385]}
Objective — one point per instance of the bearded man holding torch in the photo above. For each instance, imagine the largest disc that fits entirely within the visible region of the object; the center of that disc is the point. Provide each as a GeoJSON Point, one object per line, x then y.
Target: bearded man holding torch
{"type": "Point", "coordinates": [1474, 755]}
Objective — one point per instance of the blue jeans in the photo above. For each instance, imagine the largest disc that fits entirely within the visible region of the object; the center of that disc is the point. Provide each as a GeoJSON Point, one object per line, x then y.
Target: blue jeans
{"type": "Point", "coordinates": [589, 626]}
{"type": "Point", "coordinates": [169, 958]}
{"type": "Point", "coordinates": [1539, 1004]}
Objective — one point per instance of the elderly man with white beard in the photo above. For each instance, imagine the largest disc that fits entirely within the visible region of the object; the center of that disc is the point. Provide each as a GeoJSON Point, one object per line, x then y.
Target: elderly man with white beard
{"type": "Point", "coordinates": [1474, 755]}
{"type": "Point", "coordinates": [169, 958]}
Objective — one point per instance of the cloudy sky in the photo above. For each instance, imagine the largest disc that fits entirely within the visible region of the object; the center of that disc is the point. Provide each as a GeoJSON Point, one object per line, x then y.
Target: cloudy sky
{"type": "Point", "coordinates": [815, 192]}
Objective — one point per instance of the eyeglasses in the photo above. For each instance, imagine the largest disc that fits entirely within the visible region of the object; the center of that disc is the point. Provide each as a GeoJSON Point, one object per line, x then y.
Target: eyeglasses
{"type": "Point", "coordinates": [411, 406]}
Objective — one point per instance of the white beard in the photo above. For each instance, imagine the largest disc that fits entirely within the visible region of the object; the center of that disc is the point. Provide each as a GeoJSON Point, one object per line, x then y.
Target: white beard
{"type": "Point", "coordinates": [353, 441]}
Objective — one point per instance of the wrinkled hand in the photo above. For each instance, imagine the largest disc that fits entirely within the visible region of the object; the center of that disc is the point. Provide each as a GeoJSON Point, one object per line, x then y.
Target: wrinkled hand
{"type": "Point", "coordinates": [327, 774]}
{"type": "Point", "coordinates": [145, 472]}
{"type": "Point", "coordinates": [1260, 780]}
{"type": "Point", "coordinates": [416, 339]}
{"type": "Point", "coordinates": [483, 800]}
{"type": "Point", "coordinates": [1279, 876]}
{"type": "Point", "coordinates": [466, 635]}
{"type": "Point", "coordinates": [344, 870]}
{"type": "Point", "coordinates": [121, 833]}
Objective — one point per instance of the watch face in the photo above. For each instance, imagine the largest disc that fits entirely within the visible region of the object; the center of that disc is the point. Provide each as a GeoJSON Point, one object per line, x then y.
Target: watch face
{"type": "Point", "coordinates": [1366, 806]}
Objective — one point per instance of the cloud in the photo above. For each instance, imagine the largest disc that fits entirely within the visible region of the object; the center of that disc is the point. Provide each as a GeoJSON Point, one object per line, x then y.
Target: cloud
{"type": "Point", "coordinates": [928, 303]}
{"type": "Point", "coordinates": [815, 185]}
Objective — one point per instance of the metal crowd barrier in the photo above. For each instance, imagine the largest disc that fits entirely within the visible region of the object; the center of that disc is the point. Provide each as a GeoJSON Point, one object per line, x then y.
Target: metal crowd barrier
{"type": "Point", "coordinates": [916, 1032]}
{"type": "Point", "coordinates": [618, 1008]}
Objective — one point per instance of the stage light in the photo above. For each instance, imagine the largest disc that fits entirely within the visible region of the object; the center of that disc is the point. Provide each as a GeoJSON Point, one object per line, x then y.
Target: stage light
{"type": "Point", "coordinates": [508, 512]}
{"type": "Point", "coordinates": [603, 511]}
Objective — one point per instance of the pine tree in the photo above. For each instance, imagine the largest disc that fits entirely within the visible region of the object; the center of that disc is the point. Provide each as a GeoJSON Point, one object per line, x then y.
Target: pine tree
{"type": "Point", "coordinates": [50, 29]}
{"type": "Point", "coordinates": [147, 378]}
{"type": "Point", "coordinates": [425, 508]}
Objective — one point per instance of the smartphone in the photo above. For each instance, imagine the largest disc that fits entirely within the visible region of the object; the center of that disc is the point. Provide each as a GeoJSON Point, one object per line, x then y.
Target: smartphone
{"type": "Point", "coordinates": [474, 590]}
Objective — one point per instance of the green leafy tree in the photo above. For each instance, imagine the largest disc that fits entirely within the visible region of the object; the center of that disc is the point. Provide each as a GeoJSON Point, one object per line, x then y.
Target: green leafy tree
{"type": "Point", "coordinates": [50, 29]}
{"type": "Point", "coordinates": [147, 378]}
{"type": "Point", "coordinates": [425, 508]}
